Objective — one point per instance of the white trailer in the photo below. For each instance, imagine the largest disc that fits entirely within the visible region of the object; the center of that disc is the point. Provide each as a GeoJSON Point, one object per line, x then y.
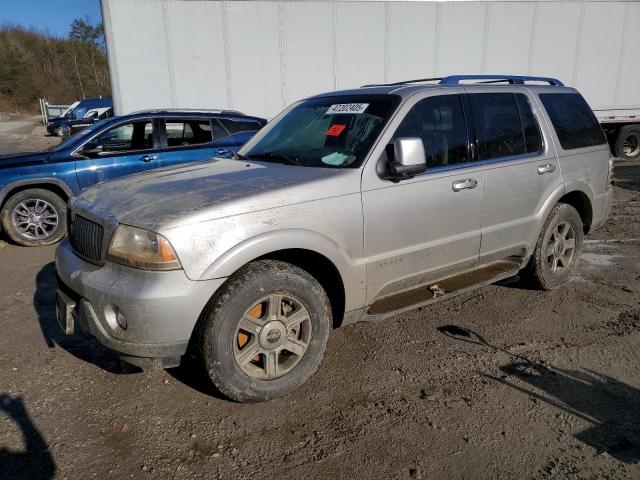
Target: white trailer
{"type": "Point", "coordinates": [260, 56]}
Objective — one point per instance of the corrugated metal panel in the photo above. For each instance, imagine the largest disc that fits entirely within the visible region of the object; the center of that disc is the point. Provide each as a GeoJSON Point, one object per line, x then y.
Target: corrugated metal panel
{"type": "Point", "coordinates": [258, 57]}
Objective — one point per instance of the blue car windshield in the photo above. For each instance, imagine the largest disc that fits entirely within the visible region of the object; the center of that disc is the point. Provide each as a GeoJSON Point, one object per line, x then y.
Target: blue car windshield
{"type": "Point", "coordinates": [328, 132]}
{"type": "Point", "coordinates": [81, 135]}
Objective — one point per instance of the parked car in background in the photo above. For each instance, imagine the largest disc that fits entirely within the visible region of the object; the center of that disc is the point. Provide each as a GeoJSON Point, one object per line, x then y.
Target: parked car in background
{"type": "Point", "coordinates": [34, 187]}
{"type": "Point", "coordinates": [83, 114]}
{"type": "Point", "coordinates": [350, 205]}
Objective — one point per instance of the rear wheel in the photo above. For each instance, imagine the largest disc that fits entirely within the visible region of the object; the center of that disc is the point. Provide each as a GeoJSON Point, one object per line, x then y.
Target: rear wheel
{"type": "Point", "coordinates": [628, 143]}
{"type": "Point", "coordinates": [557, 250]}
{"type": "Point", "coordinates": [34, 217]}
{"type": "Point", "coordinates": [264, 334]}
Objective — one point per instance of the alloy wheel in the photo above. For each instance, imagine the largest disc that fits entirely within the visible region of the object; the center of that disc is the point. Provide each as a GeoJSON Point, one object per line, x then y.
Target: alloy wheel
{"type": "Point", "coordinates": [35, 219]}
{"type": "Point", "coordinates": [560, 248]}
{"type": "Point", "coordinates": [272, 336]}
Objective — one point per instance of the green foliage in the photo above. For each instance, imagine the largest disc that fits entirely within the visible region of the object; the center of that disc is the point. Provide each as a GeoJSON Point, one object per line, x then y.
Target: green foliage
{"type": "Point", "coordinates": [36, 65]}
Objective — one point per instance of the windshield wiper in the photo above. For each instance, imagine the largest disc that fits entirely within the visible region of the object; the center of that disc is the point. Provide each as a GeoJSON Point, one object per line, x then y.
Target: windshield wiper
{"type": "Point", "coordinates": [276, 157]}
{"type": "Point", "coordinates": [237, 156]}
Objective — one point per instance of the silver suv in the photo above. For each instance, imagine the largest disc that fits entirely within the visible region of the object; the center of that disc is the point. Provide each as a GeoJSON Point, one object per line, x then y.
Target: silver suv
{"type": "Point", "coordinates": [350, 205]}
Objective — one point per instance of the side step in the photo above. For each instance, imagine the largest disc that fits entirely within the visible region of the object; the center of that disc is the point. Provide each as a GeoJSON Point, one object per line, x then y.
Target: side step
{"type": "Point", "coordinates": [445, 288]}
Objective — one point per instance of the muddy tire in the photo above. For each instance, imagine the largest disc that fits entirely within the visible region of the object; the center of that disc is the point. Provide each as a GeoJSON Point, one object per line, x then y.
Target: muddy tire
{"type": "Point", "coordinates": [558, 249]}
{"type": "Point", "coordinates": [34, 217]}
{"type": "Point", "coordinates": [627, 145]}
{"type": "Point", "coordinates": [265, 332]}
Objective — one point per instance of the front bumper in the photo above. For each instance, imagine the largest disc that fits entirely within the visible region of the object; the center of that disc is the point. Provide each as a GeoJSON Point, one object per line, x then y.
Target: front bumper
{"type": "Point", "coordinates": [160, 309]}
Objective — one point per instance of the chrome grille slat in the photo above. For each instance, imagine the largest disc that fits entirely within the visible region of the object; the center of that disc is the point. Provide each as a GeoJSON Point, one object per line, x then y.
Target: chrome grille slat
{"type": "Point", "coordinates": [86, 238]}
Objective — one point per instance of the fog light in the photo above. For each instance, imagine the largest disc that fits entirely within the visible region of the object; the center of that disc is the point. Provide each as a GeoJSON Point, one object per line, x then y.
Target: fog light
{"type": "Point", "coordinates": [121, 320]}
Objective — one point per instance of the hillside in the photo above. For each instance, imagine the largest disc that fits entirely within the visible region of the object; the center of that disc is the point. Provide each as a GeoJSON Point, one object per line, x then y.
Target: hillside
{"type": "Point", "coordinates": [35, 65]}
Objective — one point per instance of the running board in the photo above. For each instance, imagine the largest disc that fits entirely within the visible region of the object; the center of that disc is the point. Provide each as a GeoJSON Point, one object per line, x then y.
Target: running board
{"type": "Point", "coordinates": [445, 288]}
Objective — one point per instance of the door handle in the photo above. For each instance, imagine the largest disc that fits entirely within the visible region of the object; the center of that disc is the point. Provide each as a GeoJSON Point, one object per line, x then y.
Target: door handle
{"type": "Point", "coordinates": [147, 158]}
{"type": "Point", "coordinates": [223, 151]}
{"type": "Point", "coordinates": [548, 168]}
{"type": "Point", "coordinates": [466, 184]}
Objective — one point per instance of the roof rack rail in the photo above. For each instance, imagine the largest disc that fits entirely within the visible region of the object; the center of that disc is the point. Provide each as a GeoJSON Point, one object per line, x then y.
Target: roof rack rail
{"type": "Point", "coordinates": [512, 79]}
{"type": "Point", "coordinates": [456, 79]}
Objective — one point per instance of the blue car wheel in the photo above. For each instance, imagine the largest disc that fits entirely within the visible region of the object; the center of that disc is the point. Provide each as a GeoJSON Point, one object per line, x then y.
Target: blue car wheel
{"type": "Point", "coordinates": [34, 217]}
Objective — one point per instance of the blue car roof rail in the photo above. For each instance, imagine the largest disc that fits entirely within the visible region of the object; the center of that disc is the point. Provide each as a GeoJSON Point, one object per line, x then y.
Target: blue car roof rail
{"type": "Point", "coordinates": [456, 79]}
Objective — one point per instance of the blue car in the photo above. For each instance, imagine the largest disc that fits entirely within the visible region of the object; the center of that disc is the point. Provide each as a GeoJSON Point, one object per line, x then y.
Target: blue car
{"type": "Point", "coordinates": [34, 187]}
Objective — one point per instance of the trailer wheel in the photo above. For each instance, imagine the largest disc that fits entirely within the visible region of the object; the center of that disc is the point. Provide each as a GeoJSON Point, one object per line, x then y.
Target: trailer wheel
{"type": "Point", "coordinates": [628, 143]}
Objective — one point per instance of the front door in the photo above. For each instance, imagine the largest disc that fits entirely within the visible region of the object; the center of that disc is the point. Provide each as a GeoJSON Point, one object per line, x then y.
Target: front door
{"type": "Point", "coordinates": [124, 149]}
{"type": "Point", "coordinates": [427, 227]}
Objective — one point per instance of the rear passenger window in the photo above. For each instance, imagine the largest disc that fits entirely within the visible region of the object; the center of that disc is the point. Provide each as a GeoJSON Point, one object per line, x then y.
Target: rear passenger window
{"type": "Point", "coordinates": [573, 120]}
{"type": "Point", "coordinates": [235, 126]}
{"type": "Point", "coordinates": [530, 128]}
{"type": "Point", "coordinates": [500, 124]}
{"type": "Point", "coordinates": [439, 122]}
{"type": "Point", "coordinates": [218, 130]}
{"type": "Point", "coordinates": [507, 124]}
{"type": "Point", "coordinates": [188, 132]}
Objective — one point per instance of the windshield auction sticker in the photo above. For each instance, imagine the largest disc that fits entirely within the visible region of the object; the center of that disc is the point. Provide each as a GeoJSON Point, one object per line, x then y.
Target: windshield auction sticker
{"type": "Point", "coordinates": [347, 108]}
{"type": "Point", "coordinates": [335, 130]}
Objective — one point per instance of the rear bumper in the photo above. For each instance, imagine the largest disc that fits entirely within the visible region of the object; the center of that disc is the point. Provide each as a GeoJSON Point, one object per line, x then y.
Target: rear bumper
{"type": "Point", "coordinates": [602, 208]}
{"type": "Point", "coordinates": [159, 309]}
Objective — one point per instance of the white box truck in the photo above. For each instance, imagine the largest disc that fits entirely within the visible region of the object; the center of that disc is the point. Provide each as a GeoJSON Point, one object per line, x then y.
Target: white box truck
{"type": "Point", "coordinates": [260, 56]}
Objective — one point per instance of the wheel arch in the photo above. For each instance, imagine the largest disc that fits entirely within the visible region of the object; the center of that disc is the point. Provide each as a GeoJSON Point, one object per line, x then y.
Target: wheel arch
{"type": "Point", "coordinates": [320, 256]}
{"type": "Point", "coordinates": [581, 201]}
{"type": "Point", "coordinates": [54, 185]}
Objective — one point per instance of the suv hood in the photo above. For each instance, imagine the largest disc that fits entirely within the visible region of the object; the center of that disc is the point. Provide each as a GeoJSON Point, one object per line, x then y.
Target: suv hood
{"type": "Point", "coordinates": [22, 159]}
{"type": "Point", "coordinates": [158, 197]}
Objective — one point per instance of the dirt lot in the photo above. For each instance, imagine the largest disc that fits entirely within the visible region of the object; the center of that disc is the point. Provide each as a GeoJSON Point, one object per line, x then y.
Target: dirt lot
{"type": "Point", "coordinates": [505, 382]}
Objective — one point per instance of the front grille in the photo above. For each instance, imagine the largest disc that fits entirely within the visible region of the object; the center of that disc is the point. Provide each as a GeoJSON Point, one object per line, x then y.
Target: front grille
{"type": "Point", "coordinates": [86, 238]}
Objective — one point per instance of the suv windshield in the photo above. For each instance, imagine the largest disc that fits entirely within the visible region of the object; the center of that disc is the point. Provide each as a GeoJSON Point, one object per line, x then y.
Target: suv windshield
{"type": "Point", "coordinates": [326, 132]}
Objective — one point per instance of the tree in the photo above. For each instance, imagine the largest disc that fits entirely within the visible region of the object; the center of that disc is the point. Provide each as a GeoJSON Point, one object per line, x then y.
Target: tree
{"type": "Point", "coordinates": [83, 31]}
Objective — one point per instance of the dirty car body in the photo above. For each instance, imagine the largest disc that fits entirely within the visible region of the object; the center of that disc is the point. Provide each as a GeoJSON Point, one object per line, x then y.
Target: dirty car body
{"type": "Point", "coordinates": [391, 197]}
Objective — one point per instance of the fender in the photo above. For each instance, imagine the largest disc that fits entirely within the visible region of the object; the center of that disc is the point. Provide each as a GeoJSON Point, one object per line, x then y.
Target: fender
{"type": "Point", "coordinates": [38, 181]}
{"type": "Point", "coordinates": [582, 187]}
{"type": "Point", "coordinates": [552, 200]}
{"type": "Point", "coordinates": [352, 271]}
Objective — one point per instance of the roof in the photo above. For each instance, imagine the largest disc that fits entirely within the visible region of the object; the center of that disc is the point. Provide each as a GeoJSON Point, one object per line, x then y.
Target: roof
{"type": "Point", "coordinates": [408, 87]}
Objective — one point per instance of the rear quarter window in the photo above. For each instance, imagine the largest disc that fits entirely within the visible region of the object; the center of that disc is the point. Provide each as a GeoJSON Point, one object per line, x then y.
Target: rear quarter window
{"type": "Point", "coordinates": [573, 120]}
{"type": "Point", "coordinates": [235, 126]}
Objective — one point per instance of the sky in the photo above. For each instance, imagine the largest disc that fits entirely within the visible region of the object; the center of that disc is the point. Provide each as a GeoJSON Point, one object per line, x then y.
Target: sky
{"type": "Point", "coordinates": [54, 16]}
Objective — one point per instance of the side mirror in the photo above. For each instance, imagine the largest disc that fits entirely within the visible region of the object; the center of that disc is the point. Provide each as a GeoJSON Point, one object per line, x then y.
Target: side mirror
{"type": "Point", "coordinates": [91, 150]}
{"type": "Point", "coordinates": [409, 158]}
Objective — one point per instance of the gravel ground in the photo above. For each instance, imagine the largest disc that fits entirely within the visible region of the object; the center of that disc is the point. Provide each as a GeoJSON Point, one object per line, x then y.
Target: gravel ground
{"type": "Point", "coordinates": [504, 382]}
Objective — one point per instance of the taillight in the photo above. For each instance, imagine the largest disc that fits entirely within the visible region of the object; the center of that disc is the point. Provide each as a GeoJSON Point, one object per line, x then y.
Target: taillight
{"type": "Point", "coordinates": [611, 159]}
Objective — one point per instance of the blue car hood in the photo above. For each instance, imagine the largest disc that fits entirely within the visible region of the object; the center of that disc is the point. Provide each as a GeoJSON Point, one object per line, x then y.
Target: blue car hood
{"type": "Point", "coordinates": [23, 159]}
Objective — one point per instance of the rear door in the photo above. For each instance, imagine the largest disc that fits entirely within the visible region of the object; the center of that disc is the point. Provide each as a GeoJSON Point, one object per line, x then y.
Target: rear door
{"type": "Point", "coordinates": [196, 140]}
{"type": "Point", "coordinates": [123, 149]}
{"type": "Point", "coordinates": [521, 169]}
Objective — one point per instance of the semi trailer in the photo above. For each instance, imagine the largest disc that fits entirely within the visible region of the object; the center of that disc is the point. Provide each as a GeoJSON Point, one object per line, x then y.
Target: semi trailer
{"type": "Point", "coordinates": [260, 56]}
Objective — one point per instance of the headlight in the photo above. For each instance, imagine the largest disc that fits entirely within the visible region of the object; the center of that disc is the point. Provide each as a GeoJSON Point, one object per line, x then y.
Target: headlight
{"type": "Point", "coordinates": [140, 248]}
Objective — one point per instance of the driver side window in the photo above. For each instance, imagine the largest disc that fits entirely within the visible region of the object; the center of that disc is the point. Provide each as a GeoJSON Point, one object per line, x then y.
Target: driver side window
{"type": "Point", "coordinates": [133, 136]}
{"type": "Point", "coordinates": [439, 122]}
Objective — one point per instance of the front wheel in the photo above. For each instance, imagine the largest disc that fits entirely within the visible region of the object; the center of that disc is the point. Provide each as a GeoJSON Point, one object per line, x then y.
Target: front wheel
{"type": "Point", "coordinates": [558, 249]}
{"type": "Point", "coordinates": [34, 217]}
{"type": "Point", "coordinates": [265, 332]}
